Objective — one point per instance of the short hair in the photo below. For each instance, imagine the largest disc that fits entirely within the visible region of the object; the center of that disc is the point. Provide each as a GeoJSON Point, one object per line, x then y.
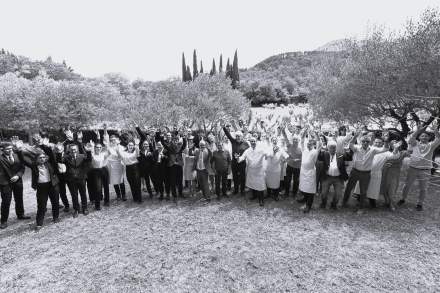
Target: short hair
{"type": "Point", "coordinates": [73, 145]}
{"type": "Point", "coordinates": [331, 143]}
{"type": "Point", "coordinates": [365, 138]}
{"type": "Point", "coordinates": [7, 144]}
{"type": "Point", "coordinates": [113, 136]}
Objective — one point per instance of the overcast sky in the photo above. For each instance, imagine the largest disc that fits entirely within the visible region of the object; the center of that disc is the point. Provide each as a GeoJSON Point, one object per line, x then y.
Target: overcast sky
{"type": "Point", "coordinates": [145, 39]}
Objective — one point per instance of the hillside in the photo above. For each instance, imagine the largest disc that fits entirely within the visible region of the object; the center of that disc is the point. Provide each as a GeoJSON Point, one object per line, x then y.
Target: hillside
{"type": "Point", "coordinates": [284, 77]}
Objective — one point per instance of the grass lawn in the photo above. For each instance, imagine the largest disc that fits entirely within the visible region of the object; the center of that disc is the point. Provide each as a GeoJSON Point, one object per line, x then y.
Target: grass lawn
{"type": "Point", "coordinates": [228, 246]}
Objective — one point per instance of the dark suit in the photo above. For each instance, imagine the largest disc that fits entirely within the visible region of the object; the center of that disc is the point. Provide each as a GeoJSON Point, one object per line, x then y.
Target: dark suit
{"type": "Point", "coordinates": [45, 190]}
{"type": "Point", "coordinates": [76, 174]}
{"type": "Point", "coordinates": [7, 189]}
{"type": "Point", "coordinates": [336, 181]}
{"type": "Point", "coordinates": [202, 174]}
{"type": "Point", "coordinates": [159, 172]}
{"type": "Point", "coordinates": [238, 169]}
{"type": "Point", "coordinates": [174, 167]}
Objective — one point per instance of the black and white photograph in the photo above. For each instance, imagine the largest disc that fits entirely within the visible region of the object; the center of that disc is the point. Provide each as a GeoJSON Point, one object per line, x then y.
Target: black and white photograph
{"type": "Point", "coordinates": [219, 146]}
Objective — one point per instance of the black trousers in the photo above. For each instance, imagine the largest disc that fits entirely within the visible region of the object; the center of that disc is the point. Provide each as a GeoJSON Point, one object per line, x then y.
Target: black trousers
{"type": "Point", "coordinates": [273, 192]}
{"type": "Point", "coordinates": [364, 179]}
{"type": "Point", "coordinates": [45, 191]}
{"type": "Point", "coordinates": [309, 197]}
{"type": "Point", "coordinates": [147, 175]}
{"type": "Point", "coordinates": [292, 173]}
{"type": "Point", "coordinates": [174, 180]}
{"type": "Point", "coordinates": [7, 191]}
{"type": "Point", "coordinates": [98, 180]}
{"type": "Point", "coordinates": [120, 190]}
{"type": "Point", "coordinates": [63, 191]}
{"type": "Point", "coordinates": [239, 175]}
{"type": "Point", "coordinates": [221, 178]}
{"type": "Point", "coordinates": [75, 187]}
{"type": "Point", "coordinates": [159, 175]}
{"type": "Point", "coordinates": [134, 180]}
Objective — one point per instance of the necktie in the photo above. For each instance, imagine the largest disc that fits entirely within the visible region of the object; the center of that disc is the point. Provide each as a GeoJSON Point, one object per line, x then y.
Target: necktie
{"type": "Point", "coordinates": [11, 159]}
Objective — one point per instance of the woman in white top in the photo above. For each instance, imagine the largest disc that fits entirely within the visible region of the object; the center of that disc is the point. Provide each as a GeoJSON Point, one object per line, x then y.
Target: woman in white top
{"type": "Point", "coordinates": [274, 160]}
{"type": "Point", "coordinates": [130, 159]}
{"type": "Point", "coordinates": [98, 174]}
{"type": "Point", "coordinates": [115, 167]}
{"type": "Point", "coordinates": [307, 175]}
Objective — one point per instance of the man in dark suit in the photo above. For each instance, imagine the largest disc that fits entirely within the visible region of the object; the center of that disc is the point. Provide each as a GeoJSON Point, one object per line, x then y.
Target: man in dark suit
{"type": "Point", "coordinates": [45, 182]}
{"type": "Point", "coordinates": [11, 183]}
{"type": "Point", "coordinates": [333, 173]}
{"type": "Point", "coordinates": [76, 173]}
{"type": "Point", "coordinates": [202, 157]}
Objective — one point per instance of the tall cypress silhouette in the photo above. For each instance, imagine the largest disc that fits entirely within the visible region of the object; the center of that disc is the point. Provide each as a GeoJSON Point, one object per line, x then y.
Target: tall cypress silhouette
{"type": "Point", "coordinates": [201, 66]}
{"type": "Point", "coordinates": [195, 71]}
{"type": "Point", "coordinates": [213, 69]}
{"type": "Point", "coordinates": [183, 67]}
{"type": "Point", "coordinates": [220, 65]}
{"type": "Point", "coordinates": [188, 74]}
{"type": "Point", "coordinates": [235, 74]}
{"type": "Point", "coordinates": [228, 69]}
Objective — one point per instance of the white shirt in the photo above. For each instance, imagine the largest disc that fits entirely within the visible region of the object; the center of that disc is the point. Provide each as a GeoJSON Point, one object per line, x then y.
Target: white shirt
{"type": "Point", "coordinates": [363, 159]}
{"type": "Point", "coordinates": [254, 157]}
{"type": "Point", "coordinates": [333, 167]}
{"type": "Point", "coordinates": [200, 162]}
{"type": "Point", "coordinates": [43, 174]}
{"type": "Point", "coordinates": [130, 158]}
{"type": "Point", "coordinates": [99, 161]}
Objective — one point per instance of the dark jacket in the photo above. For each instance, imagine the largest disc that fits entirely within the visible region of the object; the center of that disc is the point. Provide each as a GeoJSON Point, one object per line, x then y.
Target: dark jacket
{"type": "Point", "coordinates": [221, 161]}
{"type": "Point", "coordinates": [8, 170]}
{"type": "Point", "coordinates": [146, 161]}
{"type": "Point", "coordinates": [324, 157]}
{"type": "Point", "coordinates": [174, 152]}
{"type": "Point", "coordinates": [237, 147]}
{"type": "Point", "coordinates": [33, 165]}
{"type": "Point", "coordinates": [206, 159]}
{"type": "Point", "coordinates": [76, 168]}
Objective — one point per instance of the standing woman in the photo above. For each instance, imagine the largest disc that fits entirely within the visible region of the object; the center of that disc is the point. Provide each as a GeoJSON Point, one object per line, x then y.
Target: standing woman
{"type": "Point", "coordinates": [188, 171]}
{"type": "Point", "coordinates": [146, 165]}
{"type": "Point", "coordinates": [115, 166]}
{"type": "Point", "coordinates": [98, 176]}
{"type": "Point", "coordinates": [307, 175]}
{"type": "Point", "coordinates": [130, 160]}
{"type": "Point", "coordinates": [274, 160]}
{"type": "Point", "coordinates": [160, 161]}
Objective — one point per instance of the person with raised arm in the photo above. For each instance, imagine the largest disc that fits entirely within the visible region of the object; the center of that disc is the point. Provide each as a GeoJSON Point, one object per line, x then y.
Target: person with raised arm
{"type": "Point", "coordinates": [115, 166]}
{"type": "Point", "coordinates": [255, 173]}
{"type": "Point", "coordinates": [97, 175]}
{"type": "Point", "coordinates": [420, 162]}
{"type": "Point", "coordinates": [45, 181]}
{"type": "Point", "coordinates": [361, 172]}
{"type": "Point", "coordinates": [130, 159]}
{"type": "Point", "coordinates": [307, 177]}
{"type": "Point", "coordinates": [293, 163]}
{"type": "Point", "coordinates": [202, 158]}
{"type": "Point", "coordinates": [76, 171]}
{"type": "Point", "coordinates": [221, 162]}
{"type": "Point", "coordinates": [275, 157]}
{"type": "Point", "coordinates": [238, 168]}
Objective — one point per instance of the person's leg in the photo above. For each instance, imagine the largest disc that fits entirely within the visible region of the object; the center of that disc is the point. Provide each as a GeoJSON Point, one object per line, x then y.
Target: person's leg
{"type": "Point", "coordinates": [54, 196]}
{"type": "Point", "coordinates": [6, 194]}
{"type": "Point", "coordinates": [235, 176]}
{"type": "Point", "coordinates": [168, 178]}
{"type": "Point", "coordinates": [296, 172]}
{"type": "Point", "coordinates": [423, 178]}
{"type": "Point", "coordinates": [137, 184]}
{"type": "Point", "coordinates": [179, 180]}
{"type": "Point", "coordinates": [90, 186]}
{"type": "Point", "coordinates": [97, 187]}
{"type": "Point", "coordinates": [147, 177]}
{"type": "Point", "coordinates": [309, 202]}
{"type": "Point", "coordinates": [83, 195]}
{"type": "Point", "coordinates": [364, 180]}
{"type": "Point", "coordinates": [122, 189]}
{"type": "Point", "coordinates": [73, 188]}
{"type": "Point", "coordinates": [338, 186]}
{"type": "Point", "coordinates": [105, 185]}
{"type": "Point", "coordinates": [260, 195]}
{"type": "Point", "coordinates": [63, 192]}
{"type": "Point", "coordinates": [205, 184]}
{"type": "Point", "coordinates": [352, 180]}
{"type": "Point", "coordinates": [288, 180]}
{"type": "Point", "coordinates": [242, 177]}
{"type": "Point", "coordinates": [17, 189]}
{"type": "Point", "coordinates": [118, 191]}
{"type": "Point", "coordinates": [325, 190]}
{"type": "Point", "coordinates": [276, 193]}
{"type": "Point", "coordinates": [217, 185]}
{"type": "Point", "coordinates": [42, 195]}
{"type": "Point", "coordinates": [411, 177]}
{"type": "Point", "coordinates": [224, 180]}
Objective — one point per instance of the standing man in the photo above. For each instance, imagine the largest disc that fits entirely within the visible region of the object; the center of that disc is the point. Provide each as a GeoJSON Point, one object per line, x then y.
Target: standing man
{"type": "Point", "coordinates": [334, 173]}
{"type": "Point", "coordinates": [11, 183]}
{"type": "Point", "coordinates": [221, 161]}
{"type": "Point", "coordinates": [175, 163]}
{"type": "Point", "coordinates": [420, 162]}
{"type": "Point", "coordinates": [202, 157]}
{"type": "Point", "coordinates": [76, 172]}
{"type": "Point", "coordinates": [293, 164]}
{"type": "Point", "coordinates": [238, 168]}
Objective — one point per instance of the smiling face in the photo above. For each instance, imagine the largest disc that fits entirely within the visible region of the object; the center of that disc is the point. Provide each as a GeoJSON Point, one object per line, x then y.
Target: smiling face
{"type": "Point", "coordinates": [130, 146]}
{"type": "Point", "coordinates": [98, 148]}
{"type": "Point", "coordinates": [378, 142]}
{"type": "Point", "coordinates": [145, 145]}
{"type": "Point", "coordinates": [424, 137]}
{"type": "Point", "coordinates": [8, 150]}
{"type": "Point", "coordinates": [311, 144]}
{"type": "Point", "coordinates": [253, 142]}
{"type": "Point", "coordinates": [41, 159]}
{"type": "Point", "coordinates": [74, 149]}
{"type": "Point", "coordinates": [168, 136]}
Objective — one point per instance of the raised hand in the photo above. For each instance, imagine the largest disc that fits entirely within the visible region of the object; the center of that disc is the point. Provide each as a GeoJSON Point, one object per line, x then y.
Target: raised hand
{"type": "Point", "coordinates": [137, 141]}
{"type": "Point", "coordinates": [45, 141]}
{"type": "Point", "coordinates": [18, 144]}
{"type": "Point", "coordinates": [88, 147]}
{"type": "Point", "coordinates": [69, 134]}
{"type": "Point", "coordinates": [59, 148]}
{"type": "Point", "coordinates": [79, 135]}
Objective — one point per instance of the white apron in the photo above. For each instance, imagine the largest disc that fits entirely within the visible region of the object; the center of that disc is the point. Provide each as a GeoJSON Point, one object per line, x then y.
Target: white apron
{"type": "Point", "coordinates": [379, 161]}
{"type": "Point", "coordinates": [255, 178]}
{"type": "Point", "coordinates": [274, 169]}
{"type": "Point", "coordinates": [115, 168]}
{"type": "Point", "coordinates": [307, 175]}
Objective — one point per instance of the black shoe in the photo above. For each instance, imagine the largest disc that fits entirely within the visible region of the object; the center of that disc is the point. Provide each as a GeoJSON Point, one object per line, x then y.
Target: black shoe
{"type": "Point", "coordinates": [276, 198]}
{"type": "Point", "coordinates": [37, 228]}
{"type": "Point", "coordinates": [118, 198]}
{"type": "Point", "coordinates": [419, 207]}
{"type": "Point", "coordinates": [174, 199]}
{"type": "Point", "coordinates": [151, 195]}
{"type": "Point", "coordinates": [218, 197]}
{"type": "Point", "coordinates": [301, 200]}
{"type": "Point", "coordinates": [167, 197]}
{"type": "Point", "coordinates": [97, 208]}
{"type": "Point", "coordinates": [400, 202]}
{"type": "Point", "coordinates": [85, 212]}
{"type": "Point", "coordinates": [106, 203]}
{"type": "Point", "coordinates": [66, 209]}
{"type": "Point", "coordinates": [57, 220]}
{"type": "Point", "coordinates": [75, 214]}
{"type": "Point", "coordinates": [323, 205]}
{"type": "Point", "coordinates": [124, 198]}
{"type": "Point", "coordinates": [60, 206]}
{"type": "Point", "coordinates": [23, 217]}
{"type": "Point", "coordinates": [261, 202]}
{"type": "Point", "coordinates": [306, 210]}
{"type": "Point", "coordinates": [235, 191]}
{"type": "Point", "coordinates": [334, 207]}
{"type": "Point", "coordinates": [3, 225]}
{"type": "Point", "coordinates": [161, 197]}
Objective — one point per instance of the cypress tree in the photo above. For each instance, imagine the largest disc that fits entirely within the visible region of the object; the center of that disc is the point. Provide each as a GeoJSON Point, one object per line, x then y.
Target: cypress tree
{"type": "Point", "coordinates": [213, 69]}
{"type": "Point", "coordinates": [201, 66]}
{"type": "Point", "coordinates": [235, 74]}
{"type": "Point", "coordinates": [183, 67]}
{"type": "Point", "coordinates": [188, 74]}
{"type": "Point", "coordinates": [195, 71]}
{"type": "Point", "coordinates": [220, 65]}
{"type": "Point", "coordinates": [228, 69]}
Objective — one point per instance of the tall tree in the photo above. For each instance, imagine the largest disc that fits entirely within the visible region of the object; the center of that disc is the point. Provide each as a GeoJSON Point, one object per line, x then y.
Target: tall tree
{"type": "Point", "coordinates": [183, 67]}
{"type": "Point", "coordinates": [228, 69]}
{"type": "Point", "coordinates": [195, 71]}
{"type": "Point", "coordinates": [235, 75]}
{"type": "Point", "coordinates": [201, 66]}
{"type": "Point", "coordinates": [188, 74]}
{"type": "Point", "coordinates": [220, 65]}
{"type": "Point", "coordinates": [213, 69]}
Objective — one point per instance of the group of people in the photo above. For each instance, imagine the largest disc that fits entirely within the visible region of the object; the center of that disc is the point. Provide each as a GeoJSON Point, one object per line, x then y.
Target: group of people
{"type": "Point", "coordinates": [291, 158]}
